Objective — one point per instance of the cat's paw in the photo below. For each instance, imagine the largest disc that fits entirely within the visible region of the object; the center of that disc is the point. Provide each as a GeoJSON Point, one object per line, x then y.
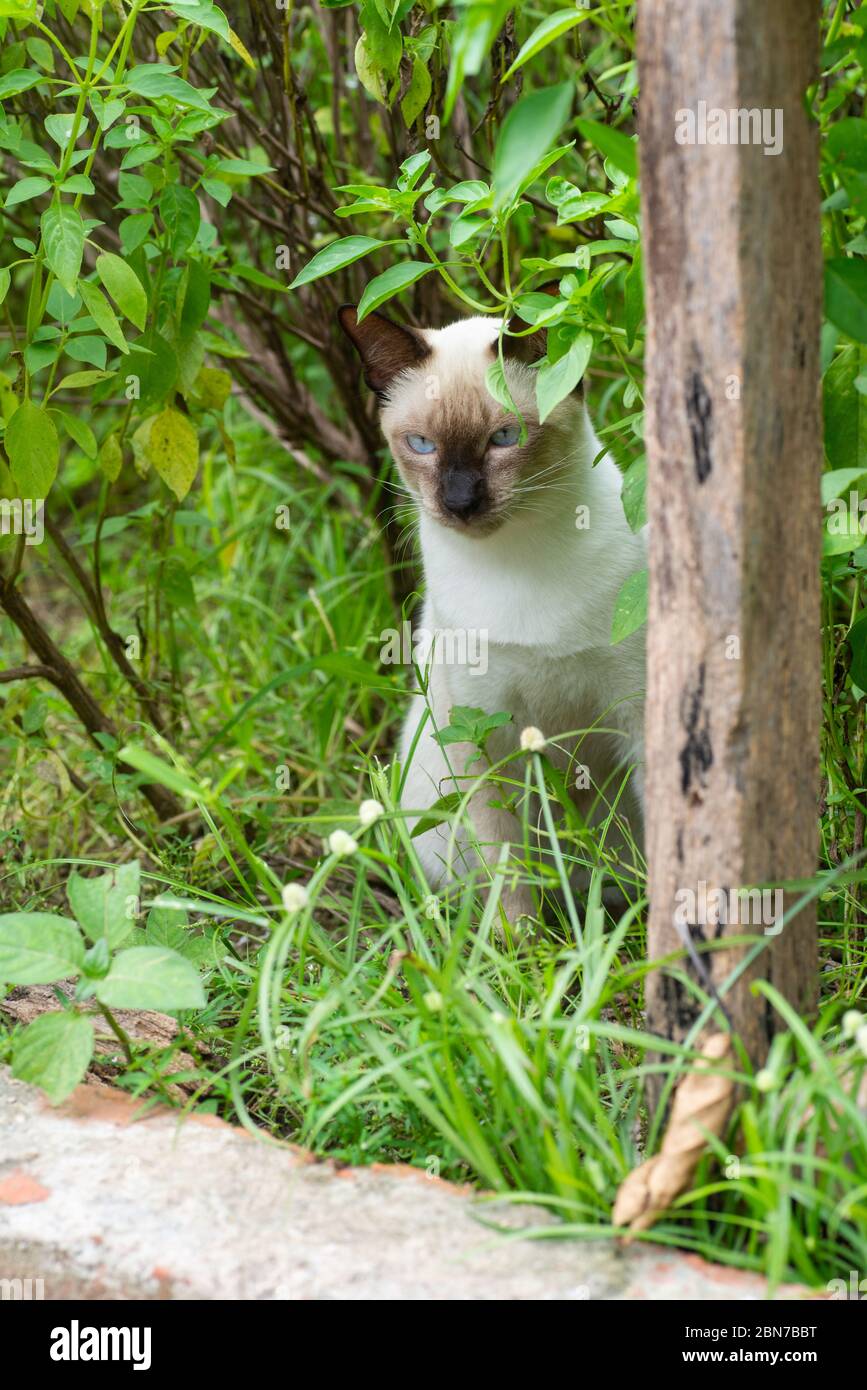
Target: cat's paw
{"type": "Point", "coordinates": [519, 910]}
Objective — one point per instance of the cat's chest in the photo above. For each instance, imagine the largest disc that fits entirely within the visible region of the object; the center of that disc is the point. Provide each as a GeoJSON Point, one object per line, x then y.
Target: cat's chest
{"type": "Point", "coordinates": [536, 685]}
{"type": "Point", "coordinates": [546, 600]}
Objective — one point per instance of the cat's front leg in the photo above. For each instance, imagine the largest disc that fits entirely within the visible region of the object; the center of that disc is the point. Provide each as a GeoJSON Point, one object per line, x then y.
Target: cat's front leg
{"type": "Point", "coordinates": [494, 827]}
{"type": "Point", "coordinates": [448, 852]}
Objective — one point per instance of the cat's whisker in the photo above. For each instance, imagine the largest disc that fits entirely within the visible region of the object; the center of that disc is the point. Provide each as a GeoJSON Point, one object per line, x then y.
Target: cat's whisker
{"type": "Point", "coordinates": [398, 487]}
{"type": "Point", "coordinates": [544, 487]}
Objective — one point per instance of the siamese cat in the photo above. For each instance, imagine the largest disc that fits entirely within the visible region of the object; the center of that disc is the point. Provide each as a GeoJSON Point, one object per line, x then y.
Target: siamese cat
{"type": "Point", "coordinates": [525, 548]}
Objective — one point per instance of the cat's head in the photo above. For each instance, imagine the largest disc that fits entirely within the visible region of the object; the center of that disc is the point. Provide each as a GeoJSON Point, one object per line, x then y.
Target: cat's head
{"type": "Point", "coordinates": [456, 448]}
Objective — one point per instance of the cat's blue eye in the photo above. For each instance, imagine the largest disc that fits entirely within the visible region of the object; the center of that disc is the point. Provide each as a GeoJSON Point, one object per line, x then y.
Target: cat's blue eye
{"type": "Point", "coordinates": [509, 434]}
{"type": "Point", "coordinates": [420, 444]}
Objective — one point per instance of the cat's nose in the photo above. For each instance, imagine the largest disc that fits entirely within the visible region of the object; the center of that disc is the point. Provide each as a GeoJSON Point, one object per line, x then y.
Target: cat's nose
{"type": "Point", "coordinates": [463, 492]}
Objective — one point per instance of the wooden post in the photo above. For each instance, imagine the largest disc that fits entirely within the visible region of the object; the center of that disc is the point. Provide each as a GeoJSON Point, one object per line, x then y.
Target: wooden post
{"type": "Point", "coordinates": [733, 272]}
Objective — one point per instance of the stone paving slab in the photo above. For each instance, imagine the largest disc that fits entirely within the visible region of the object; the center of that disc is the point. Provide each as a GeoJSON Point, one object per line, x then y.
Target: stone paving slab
{"type": "Point", "coordinates": [102, 1200]}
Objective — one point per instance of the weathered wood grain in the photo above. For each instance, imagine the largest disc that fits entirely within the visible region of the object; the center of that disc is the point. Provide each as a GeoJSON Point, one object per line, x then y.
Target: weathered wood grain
{"type": "Point", "coordinates": [733, 288]}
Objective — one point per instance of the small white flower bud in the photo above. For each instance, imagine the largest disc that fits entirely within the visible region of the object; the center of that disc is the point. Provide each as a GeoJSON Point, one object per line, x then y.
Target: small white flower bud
{"type": "Point", "coordinates": [295, 897]}
{"type": "Point", "coordinates": [852, 1021]}
{"type": "Point", "coordinates": [368, 812]}
{"type": "Point", "coordinates": [532, 740]}
{"type": "Point", "coordinates": [341, 843]}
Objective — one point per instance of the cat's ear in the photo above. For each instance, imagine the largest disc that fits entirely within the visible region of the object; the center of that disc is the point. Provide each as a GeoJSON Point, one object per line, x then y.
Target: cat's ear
{"type": "Point", "coordinates": [385, 348]}
{"type": "Point", "coordinates": [528, 350]}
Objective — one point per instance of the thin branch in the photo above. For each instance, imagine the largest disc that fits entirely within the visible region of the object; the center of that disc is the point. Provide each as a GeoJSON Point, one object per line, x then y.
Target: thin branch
{"type": "Point", "coordinates": [28, 673]}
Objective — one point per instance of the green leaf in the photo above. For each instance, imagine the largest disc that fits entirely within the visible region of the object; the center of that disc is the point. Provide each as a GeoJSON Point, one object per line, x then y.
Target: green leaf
{"type": "Point", "coordinates": [124, 286]}
{"type": "Point", "coordinates": [526, 135]}
{"type": "Point", "coordinates": [857, 639]}
{"type": "Point", "coordinates": [145, 152]}
{"type": "Point", "coordinates": [196, 297]}
{"type": "Point", "coordinates": [846, 149]}
{"type": "Point", "coordinates": [550, 29]}
{"type": "Point", "coordinates": [106, 112]}
{"type": "Point", "coordinates": [151, 977]}
{"type": "Point", "coordinates": [466, 229]}
{"type": "Point", "coordinates": [634, 493]}
{"type": "Point", "coordinates": [181, 215]}
{"type": "Point", "coordinates": [78, 183]}
{"type": "Point", "coordinates": [63, 239]}
{"type": "Point", "coordinates": [443, 809]}
{"type": "Point", "coordinates": [244, 168]}
{"type": "Point", "coordinates": [369, 72]}
{"type": "Point", "coordinates": [20, 80]}
{"type": "Point", "coordinates": [612, 144]}
{"type": "Point", "coordinates": [61, 306]}
{"type": "Point", "coordinates": [159, 771]}
{"type": "Point", "coordinates": [840, 481]}
{"type": "Point", "coordinates": [846, 296]}
{"type": "Point", "coordinates": [134, 231]}
{"type": "Point", "coordinates": [25, 189]}
{"type": "Point", "coordinates": [54, 1052]}
{"type": "Point", "coordinates": [33, 450]}
{"type": "Point", "coordinates": [391, 282]}
{"type": "Point", "coordinates": [106, 907]}
{"type": "Point", "coordinates": [417, 94]}
{"type": "Point", "coordinates": [630, 609]}
{"type": "Point", "coordinates": [79, 431]}
{"type": "Point", "coordinates": [87, 348]}
{"type": "Point", "coordinates": [335, 256]}
{"type": "Point", "coordinates": [154, 361]}
{"type": "Point", "coordinates": [498, 387]}
{"type": "Point", "coordinates": [175, 583]}
{"type": "Point", "coordinates": [37, 948]}
{"type": "Point", "coordinates": [259, 278]}
{"type": "Point", "coordinates": [633, 292]}
{"type": "Point", "coordinates": [241, 51]}
{"type": "Point", "coordinates": [156, 80]}
{"type": "Point", "coordinates": [37, 356]}
{"type": "Point", "coordinates": [211, 389]}
{"type": "Point", "coordinates": [5, 282]}
{"type": "Point", "coordinates": [77, 381]}
{"type": "Point", "coordinates": [21, 10]}
{"type": "Point", "coordinates": [60, 127]}
{"type": "Point", "coordinates": [555, 381]}
{"type": "Point", "coordinates": [167, 926]}
{"type": "Point", "coordinates": [470, 725]}
{"type": "Point", "coordinates": [206, 16]}
{"type": "Point", "coordinates": [845, 411]}
{"type": "Point", "coordinates": [103, 315]}
{"type": "Point", "coordinates": [471, 44]}
{"type": "Point", "coordinates": [468, 191]}
{"type": "Point", "coordinates": [538, 169]}
{"type": "Point", "coordinates": [173, 449]}
{"type": "Point", "coordinates": [111, 457]}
